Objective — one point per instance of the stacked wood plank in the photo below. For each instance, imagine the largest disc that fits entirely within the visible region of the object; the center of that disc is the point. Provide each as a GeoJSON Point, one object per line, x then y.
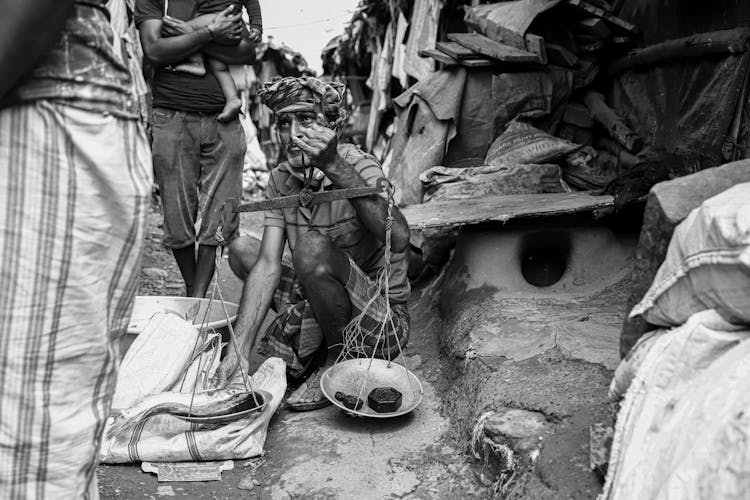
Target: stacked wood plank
{"type": "Point", "coordinates": [579, 35]}
{"type": "Point", "coordinates": [593, 37]}
{"type": "Point", "coordinates": [583, 37]}
{"type": "Point", "coordinates": [475, 50]}
{"type": "Point", "coordinates": [575, 34]}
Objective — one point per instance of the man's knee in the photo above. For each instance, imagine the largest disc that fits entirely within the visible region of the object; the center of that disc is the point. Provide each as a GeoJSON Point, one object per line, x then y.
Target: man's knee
{"type": "Point", "coordinates": [243, 254]}
{"type": "Point", "coordinates": [313, 255]}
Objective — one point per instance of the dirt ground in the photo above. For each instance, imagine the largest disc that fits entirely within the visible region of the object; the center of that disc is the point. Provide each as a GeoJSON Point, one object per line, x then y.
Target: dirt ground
{"type": "Point", "coordinates": [326, 454]}
{"type": "Point", "coordinates": [323, 454]}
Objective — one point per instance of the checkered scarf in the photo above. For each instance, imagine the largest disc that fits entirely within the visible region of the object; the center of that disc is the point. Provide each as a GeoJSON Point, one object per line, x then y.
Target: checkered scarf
{"type": "Point", "coordinates": [328, 96]}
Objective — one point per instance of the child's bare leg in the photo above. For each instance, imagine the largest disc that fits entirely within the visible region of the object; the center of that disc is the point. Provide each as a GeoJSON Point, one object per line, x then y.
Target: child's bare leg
{"type": "Point", "coordinates": [233, 103]}
{"type": "Point", "coordinates": [193, 65]}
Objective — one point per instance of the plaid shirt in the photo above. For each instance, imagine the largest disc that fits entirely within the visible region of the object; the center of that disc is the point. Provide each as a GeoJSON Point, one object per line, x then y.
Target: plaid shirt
{"type": "Point", "coordinates": [339, 220]}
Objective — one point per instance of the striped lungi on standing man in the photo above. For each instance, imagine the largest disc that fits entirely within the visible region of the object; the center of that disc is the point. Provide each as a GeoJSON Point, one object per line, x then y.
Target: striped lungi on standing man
{"type": "Point", "coordinates": [75, 186]}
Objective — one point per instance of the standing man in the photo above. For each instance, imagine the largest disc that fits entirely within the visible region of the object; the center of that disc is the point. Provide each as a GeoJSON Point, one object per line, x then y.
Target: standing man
{"type": "Point", "coordinates": [197, 159]}
{"type": "Point", "coordinates": [75, 179]}
{"type": "Point", "coordinates": [338, 247]}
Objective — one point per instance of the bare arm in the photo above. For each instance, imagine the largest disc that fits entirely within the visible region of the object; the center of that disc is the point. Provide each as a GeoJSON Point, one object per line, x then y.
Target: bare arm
{"type": "Point", "coordinates": [372, 210]}
{"type": "Point", "coordinates": [257, 294]}
{"type": "Point", "coordinates": [241, 53]}
{"type": "Point", "coordinates": [28, 28]}
{"type": "Point", "coordinates": [162, 51]}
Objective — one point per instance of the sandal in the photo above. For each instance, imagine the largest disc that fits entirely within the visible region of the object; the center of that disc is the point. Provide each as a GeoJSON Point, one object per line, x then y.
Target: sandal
{"type": "Point", "coordinates": [308, 388]}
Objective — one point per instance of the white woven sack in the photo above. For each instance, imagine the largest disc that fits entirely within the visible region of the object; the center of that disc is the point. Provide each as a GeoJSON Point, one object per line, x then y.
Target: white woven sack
{"type": "Point", "coordinates": [682, 430]}
{"type": "Point", "coordinates": [707, 264]}
{"type": "Point", "coordinates": [629, 366]}
{"type": "Point", "coordinates": [131, 436]}
{"type": "Point", "coordinates": [157, 359]}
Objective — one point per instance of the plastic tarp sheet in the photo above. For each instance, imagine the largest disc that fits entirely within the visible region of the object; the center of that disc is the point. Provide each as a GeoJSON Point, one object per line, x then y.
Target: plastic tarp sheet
{"type": "Point", "coordinates": [657, 21]}
{"type": "Point", "coordinates": [686, 108]}
{"type": "Point", "coordinates": [428, 114]}
{"type": "Point", "coordinates": [452, 118]}
{"type": "Point", "coordinates": [683, 429]}
{"type": "Point", "coordinates": [490, 101]}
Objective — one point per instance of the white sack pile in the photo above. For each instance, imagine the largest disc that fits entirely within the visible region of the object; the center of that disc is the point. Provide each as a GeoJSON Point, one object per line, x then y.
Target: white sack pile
{"type": "Point", "coordinates": [683, 430]}
{"type": "Point", "coordinates": [162, 367]}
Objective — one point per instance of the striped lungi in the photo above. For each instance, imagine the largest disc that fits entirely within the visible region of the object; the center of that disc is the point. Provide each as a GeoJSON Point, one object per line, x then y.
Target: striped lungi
{"type": "Point", "coordinates": [74, 192]}
{"type": "Point", "coordinates": [295, 336]}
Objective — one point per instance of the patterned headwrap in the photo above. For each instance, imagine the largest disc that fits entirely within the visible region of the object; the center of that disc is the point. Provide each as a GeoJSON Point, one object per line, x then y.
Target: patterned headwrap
{"type": "Point", "coordinates": [326, 97]}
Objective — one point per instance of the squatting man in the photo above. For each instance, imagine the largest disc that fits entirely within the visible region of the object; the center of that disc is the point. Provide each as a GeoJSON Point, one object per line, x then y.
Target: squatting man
{"type": "Point", "coordinates": [336, 248]}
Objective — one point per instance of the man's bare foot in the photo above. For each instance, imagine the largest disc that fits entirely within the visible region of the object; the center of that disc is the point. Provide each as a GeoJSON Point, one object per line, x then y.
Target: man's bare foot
{"type": "Point", "coordinates": [231, 110]}
{"type": "Point", "coordinates": [309, 396]}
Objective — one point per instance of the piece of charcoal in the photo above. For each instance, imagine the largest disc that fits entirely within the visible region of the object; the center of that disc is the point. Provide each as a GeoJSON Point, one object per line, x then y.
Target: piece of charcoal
{"type": "Point", "coordinates": [351, 402]}
{"type": "Point", "coordinates": [384, 399]}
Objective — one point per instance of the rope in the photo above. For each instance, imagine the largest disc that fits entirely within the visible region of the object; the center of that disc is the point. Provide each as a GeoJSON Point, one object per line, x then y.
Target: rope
{"type": "Point", "coordinates": [354, 337]}
{"type": "Point", "coordinates": [216, 288]}
{"type": "Point", "coordinates": [204, 329]}
{"type": "Point", "coordinates": [354, 344]}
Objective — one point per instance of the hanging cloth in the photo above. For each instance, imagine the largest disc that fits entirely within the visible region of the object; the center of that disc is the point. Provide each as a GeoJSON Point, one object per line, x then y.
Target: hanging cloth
{"type": "Point", "coordinates": [399, 52]}
{"type": "Point", "coordinates": [423, 35]}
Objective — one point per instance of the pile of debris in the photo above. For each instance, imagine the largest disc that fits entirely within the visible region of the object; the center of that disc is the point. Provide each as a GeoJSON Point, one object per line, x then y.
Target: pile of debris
{"type": "Point", "coordinates": [574, 34]}
{"type": "Point", "coordinates": [460, 74]}
{"type": "Point", "coordinates": [382, 54]}
{"type": "Point", "coordinates": [574, 37]}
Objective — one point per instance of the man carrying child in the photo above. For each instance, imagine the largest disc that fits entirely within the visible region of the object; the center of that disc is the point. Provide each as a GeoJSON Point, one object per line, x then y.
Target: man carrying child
{"type": "Point", "coordinates": [197, 157]}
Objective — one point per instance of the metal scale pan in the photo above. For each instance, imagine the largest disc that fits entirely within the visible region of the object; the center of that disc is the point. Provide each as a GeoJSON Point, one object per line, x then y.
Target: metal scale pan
{"type": "Point", "coordinates": [347, 377]}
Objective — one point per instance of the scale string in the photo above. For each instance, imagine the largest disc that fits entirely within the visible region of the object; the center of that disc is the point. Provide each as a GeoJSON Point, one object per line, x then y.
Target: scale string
{"type": "Point", "coordinates": [354, 336]}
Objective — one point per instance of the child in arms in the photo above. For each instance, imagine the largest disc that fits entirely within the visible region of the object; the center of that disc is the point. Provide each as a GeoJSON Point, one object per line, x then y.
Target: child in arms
{"type": "Point", "coordinates": [204, 12]}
